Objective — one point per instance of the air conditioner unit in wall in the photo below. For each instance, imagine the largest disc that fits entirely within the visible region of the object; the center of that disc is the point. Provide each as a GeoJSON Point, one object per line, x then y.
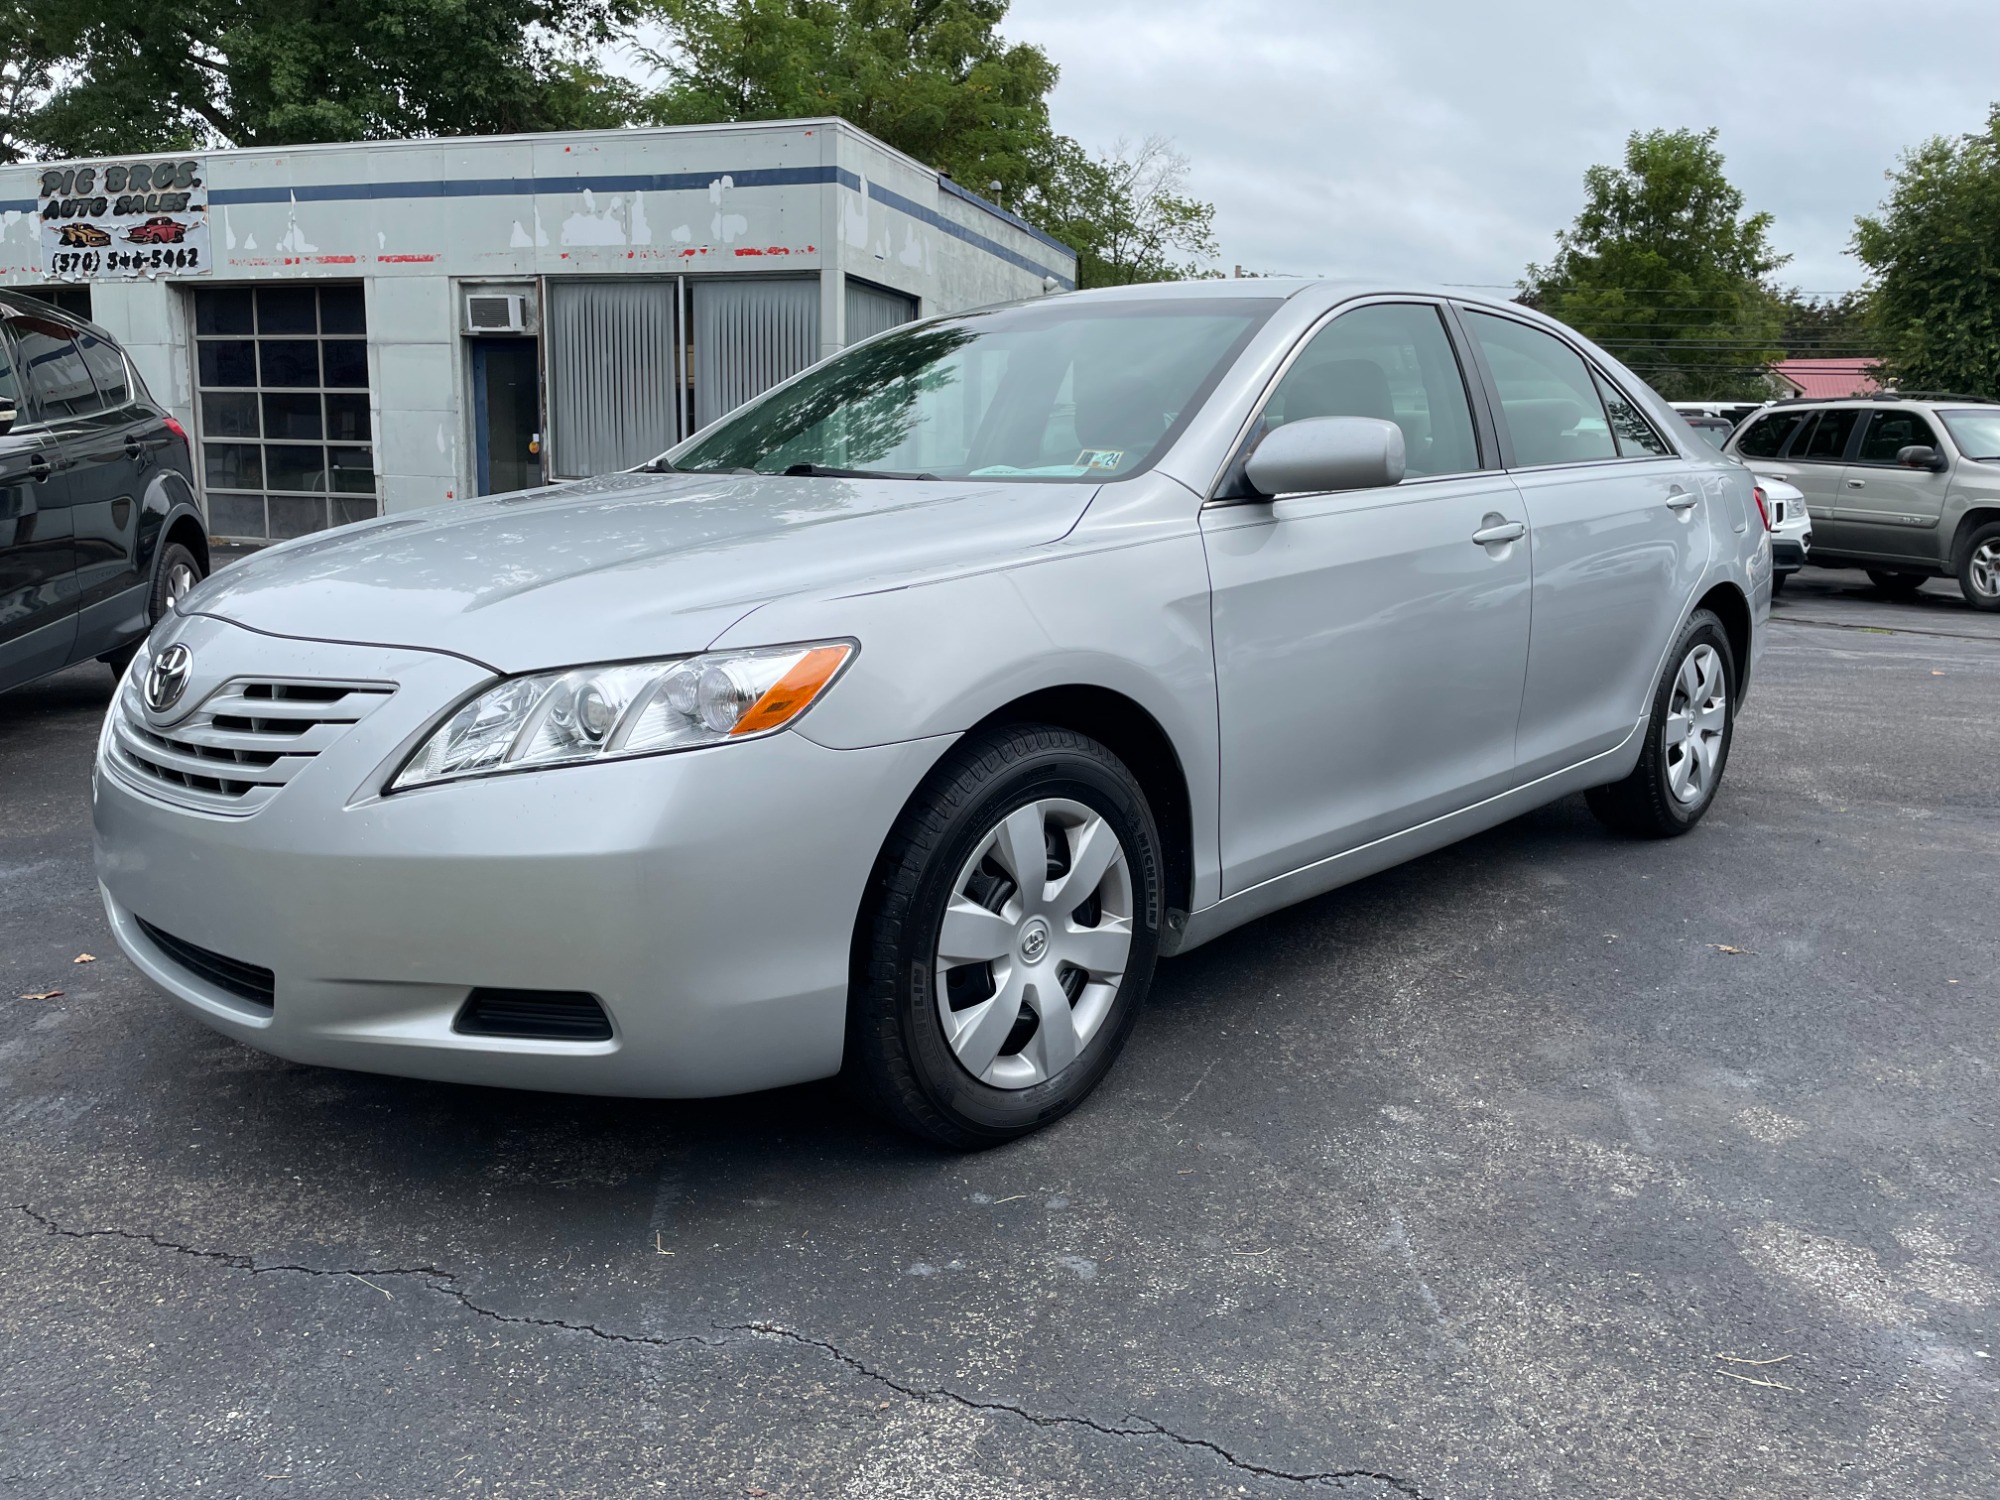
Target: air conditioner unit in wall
{"type": "Point", "coordinates": [495, 312]}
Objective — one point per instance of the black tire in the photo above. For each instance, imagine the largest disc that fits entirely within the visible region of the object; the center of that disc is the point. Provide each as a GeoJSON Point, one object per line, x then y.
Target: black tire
{"type": "Point", "coordinates": [1976, 562]}
{"type": "Point", "coordinates": [1778, 583]}
{"type": "Point", "coordinates": [176, 564]}
{"type": "Point", "coordinates": [1645, 804]}
{"type": "Point", "coordinates": [1895, 585]}
{"type": "Point", "coordinates": [899, 1059]}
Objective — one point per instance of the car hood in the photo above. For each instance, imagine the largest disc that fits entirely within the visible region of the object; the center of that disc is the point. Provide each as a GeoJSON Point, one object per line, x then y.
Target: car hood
{"type": "Point", "coordinates": [627, 565]}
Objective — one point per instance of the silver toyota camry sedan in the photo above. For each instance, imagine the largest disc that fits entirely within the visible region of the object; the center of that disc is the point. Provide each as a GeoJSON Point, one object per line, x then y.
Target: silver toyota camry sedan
{"type": "Point", "coordinates": [898, 724]}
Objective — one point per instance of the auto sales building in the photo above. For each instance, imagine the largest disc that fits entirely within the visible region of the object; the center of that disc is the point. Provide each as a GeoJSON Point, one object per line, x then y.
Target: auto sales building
{"type": "Point", "coordinates": [357, 329]}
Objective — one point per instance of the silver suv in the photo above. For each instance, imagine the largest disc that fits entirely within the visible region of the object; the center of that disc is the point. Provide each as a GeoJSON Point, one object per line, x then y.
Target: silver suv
{"type": "Point", "coordinates": [1906, 486]}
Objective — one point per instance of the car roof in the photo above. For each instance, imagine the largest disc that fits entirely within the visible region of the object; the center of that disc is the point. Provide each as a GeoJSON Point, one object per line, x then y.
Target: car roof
{"type": "Point", "coordinates": [1886, 398]}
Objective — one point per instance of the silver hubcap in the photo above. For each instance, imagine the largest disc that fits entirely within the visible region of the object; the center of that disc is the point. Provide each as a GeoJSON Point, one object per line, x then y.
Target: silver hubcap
{"type": "Point", "coordinates": [180, 579]}
{"type": "Point", "coordinates": [1034, 942]}
{"type": "Point", "coordinates": [1697, 720]}
{"type": "Point", "coordinates": [1986, 569]}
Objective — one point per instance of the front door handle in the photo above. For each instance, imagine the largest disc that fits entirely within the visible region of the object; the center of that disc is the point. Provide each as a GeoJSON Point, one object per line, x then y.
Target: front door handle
{"type": "Point", "coordinates": [1504, 531]}
{"type": "Point", "coordinates": [38, 468]}
{"type": "Point", "coordinates": [1857, 484]}
{"type": "Point", "coordinates": [1680, 500]}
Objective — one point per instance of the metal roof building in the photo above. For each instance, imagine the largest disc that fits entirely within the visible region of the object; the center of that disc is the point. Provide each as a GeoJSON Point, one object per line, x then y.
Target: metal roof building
{"type": "Point", "coordinates": [354, 329]}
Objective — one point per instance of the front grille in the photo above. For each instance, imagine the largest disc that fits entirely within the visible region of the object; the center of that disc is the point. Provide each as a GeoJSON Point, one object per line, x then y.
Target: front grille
{"type": "Point", "coordinates": [231, 975]}
{"type": "Point", "coordinates": [244, 742]}
{"type": "Point", "coordinates": [540, 1015]}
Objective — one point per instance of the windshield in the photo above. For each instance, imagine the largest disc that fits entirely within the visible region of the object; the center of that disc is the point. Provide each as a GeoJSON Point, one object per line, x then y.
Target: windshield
{"type": "Point", "coordinates": [1055, 390]}
{"type": "Point", "coordinates": [1976, 431]}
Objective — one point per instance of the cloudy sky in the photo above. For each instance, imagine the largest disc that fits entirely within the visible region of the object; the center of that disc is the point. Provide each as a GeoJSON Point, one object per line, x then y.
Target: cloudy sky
{"type": "Point", "coordinates": [1447, 139]}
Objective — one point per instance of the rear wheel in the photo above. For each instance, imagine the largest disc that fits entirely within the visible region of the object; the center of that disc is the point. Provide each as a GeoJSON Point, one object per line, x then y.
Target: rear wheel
{"type": "Point", "coordinates": [1687, 739]}
{"type": "Point", "coordinates": [1979, 567]}
{"type": "Point", "coordinates": [1895, 585]}
{"type": "Point", "coordinates": [179, 570]}
{"type": "Point", "coordinates": [1009, 941]}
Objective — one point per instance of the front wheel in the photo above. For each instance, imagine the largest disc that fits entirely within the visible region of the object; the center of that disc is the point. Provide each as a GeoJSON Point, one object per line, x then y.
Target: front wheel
{"type": "Point", "coordinates": [1979, 567]}
{"type": "Point", "coordinates": [1009, 938]}
{"type": "Point", "coordinates": [1687, 739]}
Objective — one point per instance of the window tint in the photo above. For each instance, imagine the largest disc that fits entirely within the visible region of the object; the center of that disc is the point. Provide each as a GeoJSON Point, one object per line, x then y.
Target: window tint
{"type": "Point", "coordinates": [1546, 394]}
{"type": "Point", "coordinates": [1635, 435]}
{"type": "Point", "coordinates": [107, 369]}
{"type": "Point", "coordinates": [1828, 438]}
{"type": "Point", "coordinates": [1765, 437]}
{"type": "Point", "coordinates": [56, 372]}
{"type": "Point", "coordinates": [1393, 362]}
{"type": "Point", "coordinates": [1889, 432]}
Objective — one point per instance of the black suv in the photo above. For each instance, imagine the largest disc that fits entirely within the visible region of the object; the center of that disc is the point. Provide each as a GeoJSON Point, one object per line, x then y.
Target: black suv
{"type": "Point", "coordinates": [100, 532]}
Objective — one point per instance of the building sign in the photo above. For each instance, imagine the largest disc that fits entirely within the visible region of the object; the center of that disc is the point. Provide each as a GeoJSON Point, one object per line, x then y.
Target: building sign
{"type": "Point", "coordinates": [124, 219]}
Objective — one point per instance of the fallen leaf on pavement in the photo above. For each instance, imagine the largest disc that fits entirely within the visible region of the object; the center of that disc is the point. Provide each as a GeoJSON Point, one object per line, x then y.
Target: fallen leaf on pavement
{"type": "Point", "coordinates": [43, 995]}
{"type": "Point", "coordinates": [84, 958]}
{"type": "Point", "coordinates": [1727, 948]}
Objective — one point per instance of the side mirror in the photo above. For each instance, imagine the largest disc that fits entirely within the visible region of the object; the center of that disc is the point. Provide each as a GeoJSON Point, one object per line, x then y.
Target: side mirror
{"type": "Point", "coordinates": [1922, 456]}
{"type": "Point", "coordinates": [1318, 454]}
{"type": "Point", "coordinates": [8, 414]}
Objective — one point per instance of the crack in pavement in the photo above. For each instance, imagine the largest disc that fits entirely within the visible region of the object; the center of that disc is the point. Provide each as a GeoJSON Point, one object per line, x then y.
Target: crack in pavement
{"type": "Point", "coordinates": [445, 1283]}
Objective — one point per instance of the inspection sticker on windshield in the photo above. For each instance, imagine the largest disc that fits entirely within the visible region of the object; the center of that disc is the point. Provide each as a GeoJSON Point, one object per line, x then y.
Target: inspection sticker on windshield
{"type": "Point", "coordinates": [1100, 458]}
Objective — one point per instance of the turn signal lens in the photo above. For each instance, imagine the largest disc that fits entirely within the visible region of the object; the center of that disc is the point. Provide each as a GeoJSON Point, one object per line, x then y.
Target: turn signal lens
{"type": "Point", "coordinates": [614, 712]}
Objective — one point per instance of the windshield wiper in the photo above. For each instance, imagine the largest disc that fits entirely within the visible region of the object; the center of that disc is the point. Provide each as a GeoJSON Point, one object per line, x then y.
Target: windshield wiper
{"type": "Point", "coordinates": [821, 471]}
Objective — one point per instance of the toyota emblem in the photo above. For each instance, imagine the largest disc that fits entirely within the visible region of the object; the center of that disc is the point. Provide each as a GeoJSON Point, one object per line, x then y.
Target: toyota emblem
{"type": "Point", "coordinates": [167, 678]}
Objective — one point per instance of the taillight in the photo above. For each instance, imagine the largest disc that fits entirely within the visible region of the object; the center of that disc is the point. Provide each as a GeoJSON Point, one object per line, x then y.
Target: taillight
{"type": "Point", "coordinates": [174, 426]}
{"type": "Point", "coordinates": [1763, 510]}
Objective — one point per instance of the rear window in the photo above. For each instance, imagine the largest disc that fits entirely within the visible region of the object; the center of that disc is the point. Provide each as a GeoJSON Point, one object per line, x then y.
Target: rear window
{"type": "Point", "coordinates": [1767, 435]}
{"type": "Point", "coordinates": [107, 369]}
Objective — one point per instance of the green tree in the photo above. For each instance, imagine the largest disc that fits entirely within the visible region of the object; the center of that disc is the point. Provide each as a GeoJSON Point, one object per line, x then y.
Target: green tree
{"type": "Point", "coordinates": [937, 80]}
{"type": "Point", "coordinates": [27, 71]}
{"type": "Point", "coordinates": [1934, 253]}
{"type": "Point", "coordinates": [1827, 328]}
{"type": "Point", "coordinates": [1665, 271]}
{"type": "Point", "coordinates": [176, 73]}
{"type": "Point", "coordinates": [1124, 212]}
{"type": "Point", "coordinates": [933, 78]}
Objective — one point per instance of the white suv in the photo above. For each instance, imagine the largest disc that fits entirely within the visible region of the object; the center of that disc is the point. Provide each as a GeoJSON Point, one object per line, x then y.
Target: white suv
{"type": "Point", "coordinates": [1906, 486]}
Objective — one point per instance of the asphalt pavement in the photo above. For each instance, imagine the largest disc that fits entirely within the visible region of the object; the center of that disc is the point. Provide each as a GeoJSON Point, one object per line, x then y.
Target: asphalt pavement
{"type": "Point", "coordinates": [1553, 1164]}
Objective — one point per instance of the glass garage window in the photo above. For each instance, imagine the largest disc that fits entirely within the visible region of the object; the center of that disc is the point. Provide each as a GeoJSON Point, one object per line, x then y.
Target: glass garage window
{"type": "Point", "coordinates": [282, 379]}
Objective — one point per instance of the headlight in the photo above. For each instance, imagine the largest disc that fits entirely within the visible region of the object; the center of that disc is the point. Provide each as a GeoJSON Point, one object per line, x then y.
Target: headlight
{"type": "Point", "coordinates": [616, 711]}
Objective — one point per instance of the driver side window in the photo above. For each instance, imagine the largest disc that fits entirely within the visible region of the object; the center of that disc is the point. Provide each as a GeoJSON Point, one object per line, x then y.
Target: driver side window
{"type": "Point", "coordinates": [1392, 361]}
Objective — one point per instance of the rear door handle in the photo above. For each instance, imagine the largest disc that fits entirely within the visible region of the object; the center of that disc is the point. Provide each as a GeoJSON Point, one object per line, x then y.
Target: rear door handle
{"type": "Point", "coordinates": [133, 447]}
{"type": "Point", "coordinates": [1857, 484]}
{"type": "Point", "coordinates": [38, 467]}
{"type": "Point", "coordinates": [1680, 500]}
{"type": "Point", "coordinates": [1506, 531]}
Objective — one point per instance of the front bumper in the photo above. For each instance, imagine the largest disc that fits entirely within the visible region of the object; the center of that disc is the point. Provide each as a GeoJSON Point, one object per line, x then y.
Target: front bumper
{"type": "Point", "coordinates": [1787, 555]}
{"type": "Point", "coordinates": [707, 899]}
